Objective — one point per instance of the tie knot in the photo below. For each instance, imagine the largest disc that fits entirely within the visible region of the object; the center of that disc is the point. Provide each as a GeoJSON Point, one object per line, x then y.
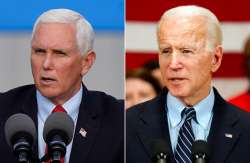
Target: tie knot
{"type": "Point", "coordinates": [189, 112]}
{"type": "Point", "coordinates": [59, 108]}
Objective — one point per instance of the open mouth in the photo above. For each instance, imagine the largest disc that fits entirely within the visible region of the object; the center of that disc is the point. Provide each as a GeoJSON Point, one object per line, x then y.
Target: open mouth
{"type": "Point", "coordinates": [47, 80]}
{"type": "Point", "coordinates": [176, 80]}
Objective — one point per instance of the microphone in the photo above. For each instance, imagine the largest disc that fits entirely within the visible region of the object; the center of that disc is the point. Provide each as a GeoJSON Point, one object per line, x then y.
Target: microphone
{"type": "Point", "coordinates": [200, 151]}
{"type": "Point", "coordinates": [160, 151]}
{"type": "Point", "coordinates": [20, 133]}
{"type": "Point", "coordinates": [57, 133]}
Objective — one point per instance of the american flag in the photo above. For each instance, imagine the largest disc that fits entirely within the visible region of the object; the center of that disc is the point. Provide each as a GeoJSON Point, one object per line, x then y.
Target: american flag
{"type": "Point", "coordinates": [141, 44]}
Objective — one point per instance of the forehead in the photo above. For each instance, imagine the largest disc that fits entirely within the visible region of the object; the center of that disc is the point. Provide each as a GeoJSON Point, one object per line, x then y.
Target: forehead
{"type": "Point", "coordinates": [182, 29]}
{"type": "Point", "coordinates": [54, 34]}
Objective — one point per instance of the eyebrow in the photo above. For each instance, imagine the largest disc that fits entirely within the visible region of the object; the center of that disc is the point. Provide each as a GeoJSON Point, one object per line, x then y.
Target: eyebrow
{"type": "Point", "coordinates": [36, 48]}
{"type": "Point", "coordinates": [54, 50]}
{"type": "Point", "coordinates": [59, 51]}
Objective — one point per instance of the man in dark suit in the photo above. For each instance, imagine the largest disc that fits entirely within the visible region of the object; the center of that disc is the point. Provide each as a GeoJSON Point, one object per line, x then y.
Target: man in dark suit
{"type": "Point", "coordinates": [189, 39]}
{"type": "Point", "coordinates": [62, 53]}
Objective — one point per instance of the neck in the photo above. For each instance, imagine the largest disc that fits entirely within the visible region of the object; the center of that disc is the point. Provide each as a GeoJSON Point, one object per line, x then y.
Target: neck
{"type": "Point", "coordinates": [195, 99]}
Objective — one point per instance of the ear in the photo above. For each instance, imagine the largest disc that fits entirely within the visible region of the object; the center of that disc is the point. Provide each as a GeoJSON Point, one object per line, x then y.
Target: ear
{"type": "Point", "coordinates": [217, 58]}
{"type": "Point", "coordinates": [87, 61]}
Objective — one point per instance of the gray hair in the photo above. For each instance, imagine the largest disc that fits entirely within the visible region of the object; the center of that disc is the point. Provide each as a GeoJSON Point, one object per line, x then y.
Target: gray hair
{"type": "Point", "coordinates": [214, 29]}
{"type": "Point", "coordinates": [84, 30]}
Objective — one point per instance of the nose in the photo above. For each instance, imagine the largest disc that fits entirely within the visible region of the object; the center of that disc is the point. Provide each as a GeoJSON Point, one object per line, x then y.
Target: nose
{"type": "Point", "coordinates": [175, 61]}
{"type": "Point", "coordinates": [48, 62]}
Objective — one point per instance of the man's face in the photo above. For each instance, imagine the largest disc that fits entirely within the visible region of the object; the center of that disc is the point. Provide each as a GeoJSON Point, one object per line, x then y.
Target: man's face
{"type": "Point", "coordinates": [185, 64]}
{"type": "Point", "coordinates": [56, 61]}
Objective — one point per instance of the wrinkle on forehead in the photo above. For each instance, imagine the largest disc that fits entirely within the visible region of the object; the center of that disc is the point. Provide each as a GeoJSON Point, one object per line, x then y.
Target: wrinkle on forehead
{"type": "Point", "coordinates": [54, 35]}
{"type": "Point", "coordinates": [188, 30]}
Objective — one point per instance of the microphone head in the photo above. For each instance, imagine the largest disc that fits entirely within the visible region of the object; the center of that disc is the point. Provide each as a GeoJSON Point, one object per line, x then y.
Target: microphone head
{"type": "Point", "coordinates": [200, 149]}
{"type": "Point", "coordinates": [160, 149]}
{"type": "Point", "coordinates": [58, 123]}
{"type": "Point", "coordinates": [17, 126]}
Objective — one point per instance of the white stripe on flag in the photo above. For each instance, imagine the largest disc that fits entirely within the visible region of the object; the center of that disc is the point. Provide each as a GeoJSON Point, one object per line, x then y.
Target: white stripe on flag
{"type": "Point", "coordinates": [141, 36]}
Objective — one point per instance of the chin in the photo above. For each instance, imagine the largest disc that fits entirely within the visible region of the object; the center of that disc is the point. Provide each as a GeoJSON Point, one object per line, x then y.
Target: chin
{"type": "Point", "coordinates": [178, 92]}
{"type": "Point", "coordinates": [48, 92]}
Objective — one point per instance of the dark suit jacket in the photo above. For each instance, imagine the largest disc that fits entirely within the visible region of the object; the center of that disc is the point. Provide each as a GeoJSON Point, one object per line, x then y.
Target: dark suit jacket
{"type": "Point", "coordinates": [100, 115]}
{"type": "Point", "coordinates": [148, 121]}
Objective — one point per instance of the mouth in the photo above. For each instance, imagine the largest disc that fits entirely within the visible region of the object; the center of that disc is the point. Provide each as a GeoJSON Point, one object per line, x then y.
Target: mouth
{"type": "Point", "coordinates": [47, 80]}
{"type": "Point", "coordinates": [176, 80]}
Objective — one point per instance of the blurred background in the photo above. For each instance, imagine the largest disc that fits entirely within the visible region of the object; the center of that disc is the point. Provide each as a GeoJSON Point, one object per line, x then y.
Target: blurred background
{"type": "Point", "coordinates": [141, 43]}
{"type": "Point", "coordinates": [107, 17]}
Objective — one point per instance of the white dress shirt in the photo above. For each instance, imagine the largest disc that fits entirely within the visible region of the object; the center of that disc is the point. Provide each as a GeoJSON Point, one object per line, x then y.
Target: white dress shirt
{"type": "Point", "coordinates": [45, 107]}
{"type": "Point", "coordinates": [201, 125]}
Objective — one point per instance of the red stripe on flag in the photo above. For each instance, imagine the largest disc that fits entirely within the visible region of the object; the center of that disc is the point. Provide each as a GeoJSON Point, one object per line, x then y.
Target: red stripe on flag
{"type": "Point", "coordinates": [152, 10]}
{"type": "Point", "coordinates": [231, 66]}
{"type": "Point", "coordinates": [135, 60]}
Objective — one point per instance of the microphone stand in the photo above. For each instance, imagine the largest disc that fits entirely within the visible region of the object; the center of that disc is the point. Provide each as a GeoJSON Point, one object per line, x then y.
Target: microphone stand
{"type": "Point", "coordinates": [44, 158]}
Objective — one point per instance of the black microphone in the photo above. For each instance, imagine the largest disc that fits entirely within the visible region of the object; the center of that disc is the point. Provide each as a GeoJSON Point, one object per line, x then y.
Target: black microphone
{"type": "Point", "coordinates": [160, 151]}
{"type": "Point", "coordinates": [20, 133]}
{"type": "Point", "coordinates": [57, 133]}
{"type": "Point", "coordinates": [200, 151]}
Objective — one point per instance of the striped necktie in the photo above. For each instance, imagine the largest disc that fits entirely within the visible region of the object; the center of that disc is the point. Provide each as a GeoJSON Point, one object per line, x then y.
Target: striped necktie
{"type": "Point", "coordinates": [58, 108]}
{"type": "Point", "coordinates": [185, 138]}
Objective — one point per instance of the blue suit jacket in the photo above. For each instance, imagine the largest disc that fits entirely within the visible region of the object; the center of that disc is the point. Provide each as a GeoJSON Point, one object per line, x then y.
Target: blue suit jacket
{"type": "Point", "coordinates": [148, 121]}
{"type": "Point", "coordinates": [100, 115]}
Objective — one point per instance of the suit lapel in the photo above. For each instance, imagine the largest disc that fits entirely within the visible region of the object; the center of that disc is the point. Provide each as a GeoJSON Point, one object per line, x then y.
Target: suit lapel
{"type": "Point", "coordinates": [223, 133]}
{"type": "Point", "coordinates": [88, 119]}
{"type": "Point", "coordinates": [153, 124]}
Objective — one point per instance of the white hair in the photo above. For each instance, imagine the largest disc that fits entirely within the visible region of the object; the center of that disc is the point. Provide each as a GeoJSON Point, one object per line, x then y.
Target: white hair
{"type": "Point", "coordinates": [84, 30]}
{"type": "Point", "coordinates": [213, 27]}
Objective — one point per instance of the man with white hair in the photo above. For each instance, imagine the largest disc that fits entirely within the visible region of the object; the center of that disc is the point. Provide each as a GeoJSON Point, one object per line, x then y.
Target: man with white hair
{"type": "Point", "coordinates": [61, 54]}
{"type": "Point", "coordinates": [190, 51]}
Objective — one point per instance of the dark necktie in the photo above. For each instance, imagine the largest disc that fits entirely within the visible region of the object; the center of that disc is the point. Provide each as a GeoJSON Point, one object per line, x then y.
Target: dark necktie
{"type": "Point", "coordinates": [185, 138]}
{"type": "Point", "coordinates": [58, 108]}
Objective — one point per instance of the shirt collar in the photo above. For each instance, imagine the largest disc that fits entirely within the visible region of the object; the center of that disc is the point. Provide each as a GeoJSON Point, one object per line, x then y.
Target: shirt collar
{"type": "Point", "coordinates": [45, 106]}
{"type": "Point", "coordinates": [174, 109]}
{"type": "Point", "coordinates": [203, 109]}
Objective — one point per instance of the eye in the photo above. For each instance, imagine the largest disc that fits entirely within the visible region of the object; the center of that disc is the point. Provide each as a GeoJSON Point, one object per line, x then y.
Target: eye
{"type": "Point", "coordinates": [39, 51]}
{"type": "Point", "coordinates": [166, 51]}
{"type": "Point", "coordinates": [59, 52]}
{"type": "Point", "coordinates": [187, 51]}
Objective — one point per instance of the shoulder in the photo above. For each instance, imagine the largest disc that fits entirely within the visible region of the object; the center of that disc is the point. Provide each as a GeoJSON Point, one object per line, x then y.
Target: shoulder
{"type": "Point", "coordinates": [102, 96]}
{"type": "Point", "coordinates": [14, 97]}
{"type": "Point", "coordinates": [155, 106]}
{"type": "Point", "coordinates": [17, 95]}
{"type": "Point", "coordinates": [104, 99]}
{"type": "Point", "coordinates": [105, 104]}
{"type": "Point", "coordinates": [11, 100]}
{"type": "Point", "coordinates": [231, 113]}
{"type": "Point", "coordinates": [244, 116]}
{"type": "Point", "coordinates": [19, 91]}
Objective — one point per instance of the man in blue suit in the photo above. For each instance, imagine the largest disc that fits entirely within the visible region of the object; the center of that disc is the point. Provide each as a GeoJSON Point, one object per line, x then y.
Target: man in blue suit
{"type": "Point", "coordinates": [190, 51]}
{"type": "Point", "coordinates": [61, 54]}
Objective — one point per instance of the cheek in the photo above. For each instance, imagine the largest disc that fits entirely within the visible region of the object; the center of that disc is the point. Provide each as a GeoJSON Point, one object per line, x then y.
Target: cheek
{"type": "Point", "coordinates": [35, 66]}
{"type": "Point", "coordinates": [205, 69]}
{"type": "Point", "coordinates": [68, 73]}
{"type": "Point", "coordinates": [33, 63]}
{"type": "Point", "coordinates": [163, 68]}
{"type": "Point", "coordinates": [64, 73]}
{"type": "Point", "coordinates": [201, 74]}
